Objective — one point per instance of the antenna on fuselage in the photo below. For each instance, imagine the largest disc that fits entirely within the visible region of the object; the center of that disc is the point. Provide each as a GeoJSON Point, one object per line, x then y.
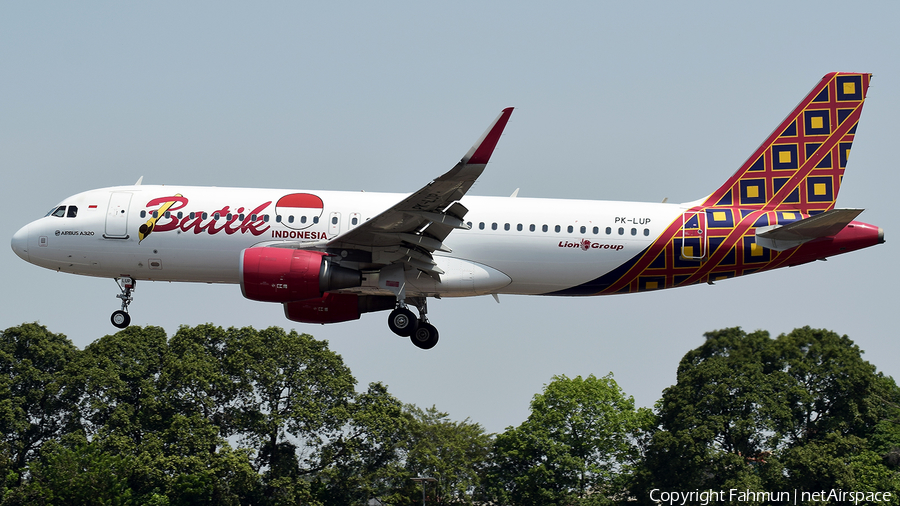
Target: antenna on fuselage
{"type": "Point", "coordinates": [139, 181]}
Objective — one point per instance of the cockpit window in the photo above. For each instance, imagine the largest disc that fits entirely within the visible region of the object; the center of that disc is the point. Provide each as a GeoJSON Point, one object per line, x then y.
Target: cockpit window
{"type": "Point", "coordinates": [73, 211]}
{"type": "Point", "coordinates": [59, 212]}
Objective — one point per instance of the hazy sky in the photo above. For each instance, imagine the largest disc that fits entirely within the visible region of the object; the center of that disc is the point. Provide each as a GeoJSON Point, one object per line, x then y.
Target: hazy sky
{"type": "Point", "coordinates": [639, 101]}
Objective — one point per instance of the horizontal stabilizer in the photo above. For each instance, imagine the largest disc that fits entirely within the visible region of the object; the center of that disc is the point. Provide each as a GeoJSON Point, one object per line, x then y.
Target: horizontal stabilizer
{"type": "Point", "coordinates": [784, 237]}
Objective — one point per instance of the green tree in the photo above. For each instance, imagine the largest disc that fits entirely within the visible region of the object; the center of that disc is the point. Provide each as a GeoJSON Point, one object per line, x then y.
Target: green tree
{"type": "Point", "coordinates": [122, 398]}
{"type": "Point", "coordinates": [365, 460]}
{"type": "Point", "coordinates": [578, 445]}
{"type": "Point", "coordinates": [454, 453]}
{"type": "Point", "coordinates": [80, 474]}
{"type": "Point", "coordinates": [37, 403]}
{"type": "Point", "coordinates": [296, 399]}
{"type": "Point", "coordinates": [723, 410]}
{"type": "Point", "coordinates": [831, 388]}
{"type": "Point", "coordinates": [204, 374]}
{"type": "Point", "coordinates": [133, 408]}
{"type": "Point", "coordinates": [801, 411]}
{"type": "Point", "coordinates": [843, 415]}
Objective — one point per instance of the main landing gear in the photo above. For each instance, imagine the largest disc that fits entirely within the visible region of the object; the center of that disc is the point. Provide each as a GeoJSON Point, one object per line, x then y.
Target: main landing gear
{"type": "Point", "coordinates": [404, 323]}
{"type": "Point", "coordinates": [120, 319]}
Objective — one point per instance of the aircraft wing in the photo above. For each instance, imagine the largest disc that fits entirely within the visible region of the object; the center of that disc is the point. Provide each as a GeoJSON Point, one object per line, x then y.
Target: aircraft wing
{"type": "Point", "coordinates": [784, 237]}
{"type": "Point", "coordinates": [411, 230]}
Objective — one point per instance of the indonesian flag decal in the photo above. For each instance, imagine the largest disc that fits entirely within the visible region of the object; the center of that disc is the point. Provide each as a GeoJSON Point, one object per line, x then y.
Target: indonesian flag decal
{"type": "Point", "coordinates": [299, 210]}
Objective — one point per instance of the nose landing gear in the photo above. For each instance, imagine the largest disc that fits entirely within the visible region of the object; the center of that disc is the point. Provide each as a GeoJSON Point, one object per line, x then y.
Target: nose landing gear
{"type": "Point", "coordinates": [403, 322]}
{"type": "Point", "coordinates": [120, 319]}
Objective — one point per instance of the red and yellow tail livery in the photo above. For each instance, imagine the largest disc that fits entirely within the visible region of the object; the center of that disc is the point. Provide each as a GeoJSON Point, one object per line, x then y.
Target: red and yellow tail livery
{"type": "Point", "coordinates": [777, 210]}
{"type": "Point", "coordinates": [800, 165]}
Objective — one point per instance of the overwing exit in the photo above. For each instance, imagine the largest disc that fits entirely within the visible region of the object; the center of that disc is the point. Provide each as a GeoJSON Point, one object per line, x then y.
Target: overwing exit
{"type": "Point", "coordinates": [329, 256]}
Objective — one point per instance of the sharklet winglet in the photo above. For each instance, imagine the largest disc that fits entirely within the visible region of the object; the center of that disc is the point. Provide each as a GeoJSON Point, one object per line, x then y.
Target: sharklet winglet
{"type": "Point", "coordinates": [481, 152]}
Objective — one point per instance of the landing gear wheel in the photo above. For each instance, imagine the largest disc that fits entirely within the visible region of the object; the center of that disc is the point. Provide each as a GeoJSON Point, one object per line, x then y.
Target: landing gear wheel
{"type": "Point", "coordinates": [402, 322]}
{"type": "Point", "coordinates": [120, 319]}
{"type": "Point", "coordinates": [425, 336]}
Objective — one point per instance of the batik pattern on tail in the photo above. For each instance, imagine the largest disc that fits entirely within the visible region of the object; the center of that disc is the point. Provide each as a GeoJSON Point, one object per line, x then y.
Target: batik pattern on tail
{"type": "Point", "coordinates": [801, 164]}
{"type": "Point", "coordinates": [795, 173]}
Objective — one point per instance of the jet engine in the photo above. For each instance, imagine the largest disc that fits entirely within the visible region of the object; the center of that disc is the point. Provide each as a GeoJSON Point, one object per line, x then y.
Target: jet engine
{"type": "Point", "coordinates": [288, 275]}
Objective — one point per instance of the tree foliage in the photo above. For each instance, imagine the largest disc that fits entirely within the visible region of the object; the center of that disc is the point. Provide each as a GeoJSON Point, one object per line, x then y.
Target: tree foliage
{"type": "Point", "coordinates": [803, 411]}
{"type": "Point", "coordinates": [139, 418]}
{"type": "Point", "coordinates": [577, 445]}
{"type": "Point", "coordinates": [245, 416]}
{"type": "Point", "coordinates": [454, 453]}
{"type": "Point", "coordinates": [36, 402]}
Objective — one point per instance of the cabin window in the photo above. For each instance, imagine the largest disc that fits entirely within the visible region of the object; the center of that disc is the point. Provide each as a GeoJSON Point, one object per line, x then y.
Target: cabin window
{"type": "Point", "coordinates": [544, 228]}
{"type": "Point", "coordinates": [506, 226]}
{"type": "Point", "coordinates": [252, 217]}
{"type": "Point", "coordinates": [493, 226]}
{"type": "Point", "coordinates": [179, 215]}
{"type": "Point", "coordinates": [291, 218]}
{"type": "Point", "coordinates": [531, 227]}
{"type": "Point", "coordinates": [205, 216]}
{"type": "Point", "coordinates": [647, 231]}
{"type": "Point", "coordinates": [354, 221]}
{"type": "Point", "coordinates": [228, 216]}
{"type": "Point", "coordinates": [608, 230]}
{"type": "Point", "coordinates": [481, 225]}
{"type": "Point", "coordinates": [155, 214]}
{"type": "Point", "coordinates": [334, 220]}
{"type": "Point", "coordinates": [469, 223]}
{"type": "Point", "coordinates": [143, 214]}
{"type": "Point", "coordinates": [621, 231]}
{"type": "Point", "coordinates": [596, 230]}
{"type": "Point", "coordinates": [169, 215]}
{"type": "Point", "coordinates": [216, 216]}
{"type": "Point", "coordinates": [303, 219]}
{"type": "Point", "coordinates": [584, 230]}
{"type": "Point", "coordinates": [519, 227]}
{"type": "Point", "coordinates": [571, 228]}
{"type": "Point", "coordinates": [633, 231]}
{"type": "Point", "coordinates": [266, 218]}
{"type": "Point", "coordinates": [315, 219]}
{"type": "Point", "coordinates": [191, 216]}
{"type": "Point", "coordinates": [241, 217]}
{"type": "Point", "coordinates": [557, 229]}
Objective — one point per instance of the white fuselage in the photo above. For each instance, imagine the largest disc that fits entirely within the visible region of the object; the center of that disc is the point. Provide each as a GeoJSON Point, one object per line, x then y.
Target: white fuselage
{"type": "Point", "coordinates": [515, 245]}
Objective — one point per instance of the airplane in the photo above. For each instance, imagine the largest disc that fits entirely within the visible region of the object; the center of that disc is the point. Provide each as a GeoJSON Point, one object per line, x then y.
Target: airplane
{"type": "Point", "coordinates": [330, 256]}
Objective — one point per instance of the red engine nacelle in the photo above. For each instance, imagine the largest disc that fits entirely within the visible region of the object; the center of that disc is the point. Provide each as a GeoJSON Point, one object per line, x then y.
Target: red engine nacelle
{"type": "Point", "coordinates": [336, 307]}
{"type": "Point", "coordinates": [332, 308]}
{"type": "Point", "coordinates": [288, 275]}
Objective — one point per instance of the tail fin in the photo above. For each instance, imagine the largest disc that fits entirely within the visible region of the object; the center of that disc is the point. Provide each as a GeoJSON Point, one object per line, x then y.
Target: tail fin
{"type": "Point", "coordinates": [801, 164]}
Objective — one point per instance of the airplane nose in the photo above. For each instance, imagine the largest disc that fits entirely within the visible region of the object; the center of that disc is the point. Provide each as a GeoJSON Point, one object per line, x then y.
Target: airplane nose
{"type": "Point", "coordinates": [20, 243]}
